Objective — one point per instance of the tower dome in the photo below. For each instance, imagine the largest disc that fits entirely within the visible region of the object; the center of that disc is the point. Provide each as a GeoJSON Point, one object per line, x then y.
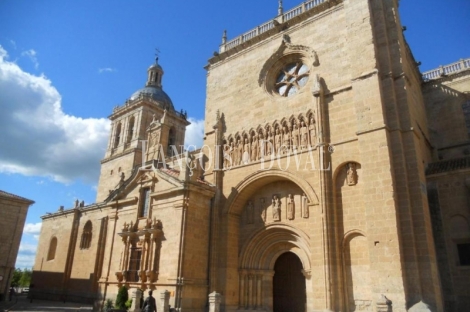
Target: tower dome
{"type": "Point", "coordinates": [153, 87]}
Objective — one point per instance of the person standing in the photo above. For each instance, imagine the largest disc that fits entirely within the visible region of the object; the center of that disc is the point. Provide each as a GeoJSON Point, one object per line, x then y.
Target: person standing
{"type": "Point", "coordinates": [149, 304]}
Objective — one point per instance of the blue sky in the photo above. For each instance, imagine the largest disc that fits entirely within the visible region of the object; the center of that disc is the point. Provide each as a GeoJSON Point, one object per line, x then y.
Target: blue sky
{"type": "Point", "coordinates": [65, 64]}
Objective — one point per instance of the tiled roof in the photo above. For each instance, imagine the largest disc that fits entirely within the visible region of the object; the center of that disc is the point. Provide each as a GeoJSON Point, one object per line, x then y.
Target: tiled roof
{"type": "Point", "coordinates": [204, 182]}
{"type": "Point", "coordinates": [171, 172]}
{"type": "Point", "coordinates": [13, 196]}
{"type": "Point", "coordinates": [448, 165]}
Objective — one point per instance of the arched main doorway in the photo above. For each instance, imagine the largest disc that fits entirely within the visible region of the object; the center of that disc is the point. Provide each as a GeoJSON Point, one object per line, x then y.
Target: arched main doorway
{"type": "Point", "coordinates": [289, 293]}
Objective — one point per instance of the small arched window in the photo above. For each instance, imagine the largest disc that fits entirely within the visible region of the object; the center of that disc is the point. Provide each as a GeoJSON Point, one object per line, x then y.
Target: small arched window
{"type": "Point", "coordinates": [130, 131]}
{"type": "Point", "coordinates": [52, 249]}
{"type": "Point", "coordinates": [86, 235]}
{"type": "Point", "coordinates": [117, 136]}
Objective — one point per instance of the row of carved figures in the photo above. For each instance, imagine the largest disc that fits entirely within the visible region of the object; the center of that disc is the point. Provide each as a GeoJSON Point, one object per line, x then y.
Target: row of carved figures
{"type": "Point", "coordinates": [279, 138]}
{"type": "Point", "coordinates": [276, 208]}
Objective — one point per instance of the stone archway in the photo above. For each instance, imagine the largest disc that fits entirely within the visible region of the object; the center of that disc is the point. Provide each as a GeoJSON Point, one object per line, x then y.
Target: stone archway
{"type": "Point", "coordinates": [257, 267]}
{"type": "Point", "coordinates": [256, 238]}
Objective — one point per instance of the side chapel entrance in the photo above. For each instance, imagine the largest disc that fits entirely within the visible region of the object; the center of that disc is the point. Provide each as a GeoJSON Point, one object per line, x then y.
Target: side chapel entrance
{"type": "Point", "coordinates": [274, 267]}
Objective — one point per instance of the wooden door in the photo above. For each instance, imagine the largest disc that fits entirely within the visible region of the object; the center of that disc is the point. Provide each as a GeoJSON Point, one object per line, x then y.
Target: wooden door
{"type": "Point", "coordinates": [289, 284]}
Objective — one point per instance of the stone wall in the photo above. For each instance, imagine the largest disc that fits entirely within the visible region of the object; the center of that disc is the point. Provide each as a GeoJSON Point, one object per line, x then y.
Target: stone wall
{"type": "Point", "coordinates": [13, 211]}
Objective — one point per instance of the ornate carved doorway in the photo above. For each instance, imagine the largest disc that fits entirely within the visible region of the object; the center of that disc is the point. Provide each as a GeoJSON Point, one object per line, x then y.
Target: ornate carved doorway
{"type": "Point", "coordinates": [289, 293]}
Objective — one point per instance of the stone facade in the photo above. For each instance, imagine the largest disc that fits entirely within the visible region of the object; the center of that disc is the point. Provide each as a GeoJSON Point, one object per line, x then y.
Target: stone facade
{"type": "Point", "coordinates": [13, 211]}
{"type": "Point", "coordinates": [324, 183]}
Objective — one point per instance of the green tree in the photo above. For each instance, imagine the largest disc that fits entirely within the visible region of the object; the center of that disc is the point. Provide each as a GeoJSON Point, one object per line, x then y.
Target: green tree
{"type": "Point", "coordinates": [25, 279]}
{"type": "Point", "coordinates": [108, 306]}
{"type": "Point", "coordinates": [122, 297]}
{"type": "Point", "coordinates": [15, 279]}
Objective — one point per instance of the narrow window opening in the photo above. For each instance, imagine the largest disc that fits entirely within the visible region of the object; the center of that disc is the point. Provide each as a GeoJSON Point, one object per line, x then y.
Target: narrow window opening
{"type": "Point", "coordinates": [130, 132]}
{"type": "Point", "coordinates": [117, 136]}
{"type": "Point", "coordinates": [85, 241]}
{"type": "Point", "coordinates": [52, 249]}
{"type": "Point", "coordinates": [145, 203]}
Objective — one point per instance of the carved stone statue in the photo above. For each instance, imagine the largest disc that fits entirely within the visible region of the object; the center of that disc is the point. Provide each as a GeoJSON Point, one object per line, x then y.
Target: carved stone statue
{"type": "Point", "coordinates": [157, 224]}
{"type": "Point", "coordinates": [227, 156]}
{"type": "Point", "coordinates": [246, 152]}
{"type": "Point", "coordinates": [234, 153]}
{"type": "Point", "coordinates": [254, 148]}
{"type": "Point", "coordinates": [154, 138]}
{"type": "Point", "coordinates": [277, 141]}
{"type": "Point", "coordinates": [240, 152]}
{"type": "Point", "coordinates": [262, 209]}
{"type": "Point", "coordinates": [305, 210]}
{"type": "Point", "coordinates": [312, 131]}
{"type": "Point", "coordinates": [303, 135]}
{"type": "Point", "coordinates": [287, 139]}
{"type": "Point", "coordinates": [295, 137]}
{"type": "Point", "coordinates": [270, 144]}
{"type": "Point", "coordinates": [351, 174]}
{"type": "Point", "coordinates": [276, 206]}
{"type": "Point", "coordinates": [249, 212]}
{"type": "Point", "coordinates": [290, 207]}
{"type": "Point", "coordinates": [261, 146]}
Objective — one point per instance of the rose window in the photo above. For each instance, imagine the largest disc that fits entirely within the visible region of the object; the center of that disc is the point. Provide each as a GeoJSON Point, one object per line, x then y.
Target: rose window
{"type": "Point", "coordinates": [291, 78]}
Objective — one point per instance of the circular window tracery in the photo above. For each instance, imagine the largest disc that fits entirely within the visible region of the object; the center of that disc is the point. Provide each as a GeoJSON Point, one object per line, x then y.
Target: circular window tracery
{"type": "Point", "coordinates": [291, 78]}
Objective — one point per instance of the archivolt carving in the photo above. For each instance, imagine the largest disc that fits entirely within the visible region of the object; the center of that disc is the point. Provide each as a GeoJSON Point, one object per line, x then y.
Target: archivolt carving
{"type": "Point", "coordinates": [266, 245]}
{"type": "Point", "coordinates": [235, 203]}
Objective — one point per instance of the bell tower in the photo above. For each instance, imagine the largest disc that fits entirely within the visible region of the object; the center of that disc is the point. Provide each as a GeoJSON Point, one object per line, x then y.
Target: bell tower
{"type": "Point", "coordinates": [147, 108]}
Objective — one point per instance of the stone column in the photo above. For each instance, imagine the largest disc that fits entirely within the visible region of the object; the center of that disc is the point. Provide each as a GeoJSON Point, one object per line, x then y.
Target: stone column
{"type": "Point", "coordinates": [136, 295]}
{"type": "Point", "coordinates": [164, 301]}
{"type": "Point", "coordinates": [259, 279]}
{"type": "Point", "coordinates": [250, 290]}
{"type": "Point", "coordinates": [242, 290]}
{"type": "Point", "coordinates": [214, 302]}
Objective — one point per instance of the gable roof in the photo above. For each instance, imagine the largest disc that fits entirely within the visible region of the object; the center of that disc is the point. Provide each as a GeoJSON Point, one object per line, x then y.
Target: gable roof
{"type": "Point", "coordinates": [15, 197]}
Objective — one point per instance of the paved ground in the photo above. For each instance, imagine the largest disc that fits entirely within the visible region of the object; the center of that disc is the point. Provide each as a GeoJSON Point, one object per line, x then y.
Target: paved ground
{"type": "Point", "coordinates": [22, 303]}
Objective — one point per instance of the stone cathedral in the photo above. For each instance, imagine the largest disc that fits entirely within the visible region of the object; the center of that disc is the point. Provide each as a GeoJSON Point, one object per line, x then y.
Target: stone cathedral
{"type": "Point", "coordinates": [334, 176]}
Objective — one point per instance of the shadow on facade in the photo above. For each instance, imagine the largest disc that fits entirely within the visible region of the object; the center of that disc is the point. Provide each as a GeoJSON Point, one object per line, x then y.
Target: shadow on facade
{"type": "Point", "coordinates": [54, 286]}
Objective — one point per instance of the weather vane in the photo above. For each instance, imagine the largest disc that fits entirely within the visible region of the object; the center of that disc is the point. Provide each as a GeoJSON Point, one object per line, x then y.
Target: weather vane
{"type": "Point", "coordinates": [157, 53]}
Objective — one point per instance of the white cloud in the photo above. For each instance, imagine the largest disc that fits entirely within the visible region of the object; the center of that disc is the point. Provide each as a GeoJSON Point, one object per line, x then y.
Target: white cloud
{"type": "Point", "coordinates": [38, 138]}
{"type": "Point", "coordinates": [25, 261]}
{"type": "Point", "coordinates": [106, 70]}
{"type": "Point", "coordinates": [194, 133]}
{"type": "Point", "coordinates": [32, 228]}
{"type": "Point", "coordinates": [28, 248]}
{"type": "Point", "coordinates": [26, 255]}
{"type": "Point", "coordinates": [31, 54]}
